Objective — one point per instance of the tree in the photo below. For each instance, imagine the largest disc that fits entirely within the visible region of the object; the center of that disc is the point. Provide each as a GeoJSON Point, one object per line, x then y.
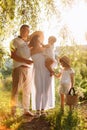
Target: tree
{"type": "Point", "coordinates": [13, 13]}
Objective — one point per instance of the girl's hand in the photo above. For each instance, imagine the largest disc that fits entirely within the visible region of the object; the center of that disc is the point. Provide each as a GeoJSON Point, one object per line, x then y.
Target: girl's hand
{"type": "Point", "coordinates": [57, 75]}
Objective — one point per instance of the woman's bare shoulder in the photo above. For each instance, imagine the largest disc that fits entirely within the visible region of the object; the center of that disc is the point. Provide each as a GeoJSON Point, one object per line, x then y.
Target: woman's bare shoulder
{"type": "Point", "coordinates": [36, 50]}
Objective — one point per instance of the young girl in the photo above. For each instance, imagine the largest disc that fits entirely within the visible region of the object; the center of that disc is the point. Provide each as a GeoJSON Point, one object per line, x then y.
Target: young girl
{"type": "Point", "coordinates": [66, 76]}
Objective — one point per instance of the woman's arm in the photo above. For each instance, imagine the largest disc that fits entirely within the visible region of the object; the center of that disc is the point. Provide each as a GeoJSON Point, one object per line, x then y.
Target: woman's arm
{"type": "Point", "coordinates": [49, 61]}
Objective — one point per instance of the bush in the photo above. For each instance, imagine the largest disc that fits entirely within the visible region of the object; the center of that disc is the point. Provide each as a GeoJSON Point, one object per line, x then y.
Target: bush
{"type": "Point", "coordinates": [7, 83]}
{"type": "Point", "coordinates": [1, 83]}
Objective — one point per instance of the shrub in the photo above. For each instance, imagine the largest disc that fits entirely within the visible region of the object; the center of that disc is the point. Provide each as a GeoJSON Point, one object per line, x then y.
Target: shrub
{"type": "Point", "coordinates": [7, 83]}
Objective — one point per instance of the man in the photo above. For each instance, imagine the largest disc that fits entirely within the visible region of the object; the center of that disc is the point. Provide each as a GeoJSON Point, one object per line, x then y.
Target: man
{"type": "Point", "coordinates": [22, 70]}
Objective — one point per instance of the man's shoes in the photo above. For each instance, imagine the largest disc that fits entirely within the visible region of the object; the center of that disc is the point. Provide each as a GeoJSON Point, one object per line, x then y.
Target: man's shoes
{"type": "Point", "coordinates": [28, 113]}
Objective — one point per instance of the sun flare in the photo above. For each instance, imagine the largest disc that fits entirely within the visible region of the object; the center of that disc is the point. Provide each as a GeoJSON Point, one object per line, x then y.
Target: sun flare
{"type": "Point", "coordinates": [77, 22]}
{"type": "Point", "coordinates": [74, 18]}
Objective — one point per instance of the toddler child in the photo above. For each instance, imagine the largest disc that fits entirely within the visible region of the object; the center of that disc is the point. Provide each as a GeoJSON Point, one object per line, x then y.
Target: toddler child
{"type": "Point", "coordinates": [49, 54]}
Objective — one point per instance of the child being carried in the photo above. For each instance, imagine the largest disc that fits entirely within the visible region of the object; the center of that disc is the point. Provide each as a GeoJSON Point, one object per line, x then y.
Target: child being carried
{"type": "Point", "coordinates": [49, 54]}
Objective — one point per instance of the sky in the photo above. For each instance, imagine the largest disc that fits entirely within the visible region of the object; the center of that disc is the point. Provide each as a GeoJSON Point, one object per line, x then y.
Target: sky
{"type": "Point", "coordinates": [75, 19]}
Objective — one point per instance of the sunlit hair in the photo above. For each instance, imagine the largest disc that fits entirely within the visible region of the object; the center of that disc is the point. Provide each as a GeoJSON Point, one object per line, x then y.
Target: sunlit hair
{"type": "Point", "coordinates": [65, 60]}
{"type": "Point", "coordinates": [33, 40]}
{"type": "Point", "coordinates": [24, 26]}
{"type": "Point", "coordinates": [52, 39]}
{"type": "Point", "coordinates": [39, 33]}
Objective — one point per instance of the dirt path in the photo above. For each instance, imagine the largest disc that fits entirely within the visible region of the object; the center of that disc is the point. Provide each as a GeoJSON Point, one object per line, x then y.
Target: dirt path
{"type": "Point", "coordinates": [31, 123]}
{"type": "Point", "coordinates": [36, 124]}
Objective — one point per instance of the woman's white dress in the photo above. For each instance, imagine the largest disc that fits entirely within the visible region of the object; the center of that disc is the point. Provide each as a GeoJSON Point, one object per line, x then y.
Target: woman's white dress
{"type": "Point", "coordinates": [43, 93]}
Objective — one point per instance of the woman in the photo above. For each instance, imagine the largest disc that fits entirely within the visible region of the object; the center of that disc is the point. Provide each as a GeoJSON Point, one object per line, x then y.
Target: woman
{"type": "Point", "coordinates": [43, 98]}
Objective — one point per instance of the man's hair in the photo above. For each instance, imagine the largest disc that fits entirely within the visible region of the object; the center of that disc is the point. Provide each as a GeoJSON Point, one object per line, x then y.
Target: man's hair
{"type": "Point", "coordinates": [24, 26]}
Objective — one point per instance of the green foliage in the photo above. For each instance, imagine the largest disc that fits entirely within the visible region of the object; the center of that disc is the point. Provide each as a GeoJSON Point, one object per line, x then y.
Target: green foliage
{"type": "Point", "coordinates": [7, 83]}
{"type": "Point", "coordinates": [7, 68]}
{"type": "Point", "coordinates": [7, 6]}
{"type": "Point", "coordinates": [13, 123]}
{"type": "Point", "coordinates": [71, 121]}
{"type": "Point", "coordinates": [83, 89]}
{"type": "Point", "coordinates": [1, 83]}
{"type": "Point", "coordinates": [4, 101]}
{"type": "Point", "coordinates": [56, 92]}
{"type": "Point", "coordinates": [12, 14]}
{"type": "Point", "coordinates": [68, 3]}
{"type": "Point", "coordinates": [7, 14]}
{"type": "Point", "coordinates": [64, 121]}
{"type": "Point", "coordinates": [2, 54]}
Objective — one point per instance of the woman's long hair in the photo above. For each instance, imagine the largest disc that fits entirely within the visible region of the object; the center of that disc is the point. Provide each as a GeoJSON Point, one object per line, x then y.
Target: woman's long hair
{"type": "Point", "coordinates": [33, 41]}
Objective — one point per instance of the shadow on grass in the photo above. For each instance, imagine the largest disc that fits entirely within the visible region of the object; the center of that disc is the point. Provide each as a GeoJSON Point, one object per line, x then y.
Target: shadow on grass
{"type": "Point", "coordinates": [59, 117]}
{"type": "Point", "coordinates": [66, 121]}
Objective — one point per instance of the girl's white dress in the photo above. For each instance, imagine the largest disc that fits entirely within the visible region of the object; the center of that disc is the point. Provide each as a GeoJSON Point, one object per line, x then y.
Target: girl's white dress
{"type": "Point", "coordinates": [43, 94]}
{"type": "Point", "coordinates": [65, 81]}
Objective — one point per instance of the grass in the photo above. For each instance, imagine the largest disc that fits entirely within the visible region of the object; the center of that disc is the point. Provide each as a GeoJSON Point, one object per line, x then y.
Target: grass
{"type": "Point", "coordinates": [4, 101]}
{"type": "Point", "coordinates": [58, 120]}
{"type": "Point", "coordinates": [66, 120]}
{"type": "Point", "coordinates": [8, 121]}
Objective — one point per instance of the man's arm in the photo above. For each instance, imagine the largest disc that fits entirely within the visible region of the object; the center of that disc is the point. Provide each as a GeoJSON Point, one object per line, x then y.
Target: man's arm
{"type": "Point", "coordinates": [20, 59]}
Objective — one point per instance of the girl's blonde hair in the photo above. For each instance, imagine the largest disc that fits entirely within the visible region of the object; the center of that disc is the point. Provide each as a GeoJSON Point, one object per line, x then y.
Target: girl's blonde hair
{"type": "Point", "coordinates": [65, 60]}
